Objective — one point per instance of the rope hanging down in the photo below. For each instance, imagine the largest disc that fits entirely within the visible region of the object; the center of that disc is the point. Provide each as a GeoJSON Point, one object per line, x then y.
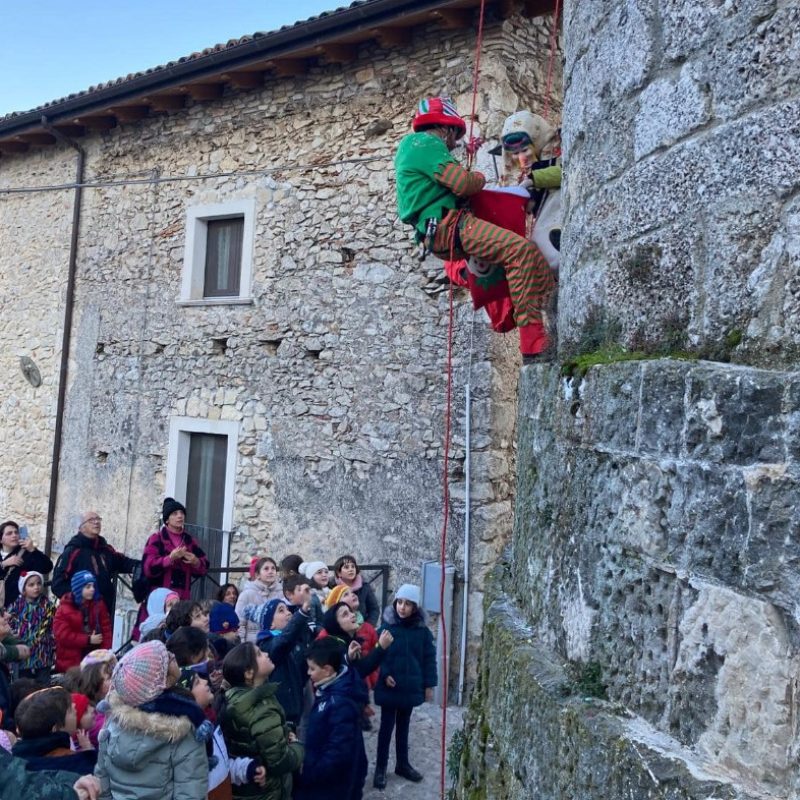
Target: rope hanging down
{"type": "Point", "coordinates": [447, 425]}
{"type": "Point", "coordinates": [472, 148]}
{"type": "Point", "coordinates": [553, 47]}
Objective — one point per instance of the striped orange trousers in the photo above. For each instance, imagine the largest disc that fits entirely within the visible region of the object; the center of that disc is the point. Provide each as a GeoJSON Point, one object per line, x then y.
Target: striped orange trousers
{"type": "Point", "coordinates": [530, 279]}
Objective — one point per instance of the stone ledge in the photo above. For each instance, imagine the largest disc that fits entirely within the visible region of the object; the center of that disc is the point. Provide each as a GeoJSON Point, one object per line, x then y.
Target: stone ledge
{"type": "Point", "coordinates": [576, 748]}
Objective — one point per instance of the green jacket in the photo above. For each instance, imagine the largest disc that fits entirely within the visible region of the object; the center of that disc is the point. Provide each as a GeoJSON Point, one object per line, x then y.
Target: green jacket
{"type": "Point", "coordinates": [16, 781]}
{"type": "Point", "coordinates": [8, 648]}
{"type": "Point", "coordinates": [254, 726]}
{"type": "Point", "coordinates": [419, 157]}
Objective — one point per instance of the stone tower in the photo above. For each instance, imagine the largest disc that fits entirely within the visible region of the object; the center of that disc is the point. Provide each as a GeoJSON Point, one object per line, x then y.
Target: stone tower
{"type": "Point", "coordinates": [642, 634]}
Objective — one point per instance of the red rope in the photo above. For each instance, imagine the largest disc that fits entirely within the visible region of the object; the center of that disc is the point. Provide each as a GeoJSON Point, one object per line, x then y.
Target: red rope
{"type": "Point", "coordinates": [553, 47]}
{"type": "Point", "coordinates": [447, 422]}
{"type": "Point", "coordinates": [476, 75]}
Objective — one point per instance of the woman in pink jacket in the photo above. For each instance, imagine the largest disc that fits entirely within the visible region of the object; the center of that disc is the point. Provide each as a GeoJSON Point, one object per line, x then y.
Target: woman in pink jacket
{"type": "Point", "coordinates": [172, 556]}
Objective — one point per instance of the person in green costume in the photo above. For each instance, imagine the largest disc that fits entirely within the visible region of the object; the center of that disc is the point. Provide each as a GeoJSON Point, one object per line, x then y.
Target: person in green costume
{"type": "Point", "coordinates": [431, 185]}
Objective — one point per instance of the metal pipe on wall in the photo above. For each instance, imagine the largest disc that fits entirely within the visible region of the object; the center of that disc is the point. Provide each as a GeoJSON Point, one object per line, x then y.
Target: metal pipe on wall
{"type": "Point", "coordinates": [66, 336]}
{"type": "Point", "coordinates": [465, 604]}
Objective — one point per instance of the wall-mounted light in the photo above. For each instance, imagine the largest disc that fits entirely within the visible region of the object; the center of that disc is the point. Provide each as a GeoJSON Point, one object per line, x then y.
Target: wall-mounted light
{"type": "Point", "coordinates": [30, 371]}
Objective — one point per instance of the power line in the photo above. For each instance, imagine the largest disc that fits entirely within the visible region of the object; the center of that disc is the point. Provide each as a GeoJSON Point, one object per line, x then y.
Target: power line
{"type": "Point", "coordinates": [57, 187]}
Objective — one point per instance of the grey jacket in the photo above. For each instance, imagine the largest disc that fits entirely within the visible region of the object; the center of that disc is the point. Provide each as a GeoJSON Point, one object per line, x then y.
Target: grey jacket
{"type": "Point", "coordinates": [146, 756]}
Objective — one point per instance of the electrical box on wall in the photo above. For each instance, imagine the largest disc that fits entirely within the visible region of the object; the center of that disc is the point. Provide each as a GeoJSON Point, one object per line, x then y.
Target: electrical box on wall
{"type": "Point", "coordinates": [431, 585]}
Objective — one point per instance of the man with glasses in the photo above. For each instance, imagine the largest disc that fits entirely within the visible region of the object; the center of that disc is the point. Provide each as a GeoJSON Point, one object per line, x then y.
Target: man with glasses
{"type": "Point", "coordinates": [89, 551]}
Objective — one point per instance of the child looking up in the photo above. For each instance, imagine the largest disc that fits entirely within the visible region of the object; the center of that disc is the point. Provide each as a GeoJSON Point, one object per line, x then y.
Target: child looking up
{"type": "Point", "coordinates": [82, 622]}
{"type": "Point", "coordinates": [407, 677]}
{"type": "Point", "coordinates": [285, 637]}
{"type": "Point", "coordinates": [45, 721]}
{"type": "Point", "coordinates": [347, 572]}
{"type": "Point", "coordinates": [335, 763]}
{"type": "Point", "coordinates": [254, 724]}
{"type": "Point", "coordinates": [316, 573]}
{"type": "Point", "coordinates": [262, 588]}
{"type": "Point", "coordinates": [150, 747]}
{"type": "Point", "coordinates": [224, 771]}
{"type": "Point", "coordinates": [32, 615]}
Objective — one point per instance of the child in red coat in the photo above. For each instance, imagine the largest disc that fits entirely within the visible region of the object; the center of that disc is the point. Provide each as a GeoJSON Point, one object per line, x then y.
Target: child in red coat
{"type": "Point", "coordinates": [82, 622]}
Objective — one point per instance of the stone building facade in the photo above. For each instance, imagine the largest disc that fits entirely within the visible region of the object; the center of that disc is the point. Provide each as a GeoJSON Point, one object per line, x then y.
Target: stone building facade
{"type": "Point", "coordinates": [327, 375]}
{"type": "Point", "coordinates": [645, 621]}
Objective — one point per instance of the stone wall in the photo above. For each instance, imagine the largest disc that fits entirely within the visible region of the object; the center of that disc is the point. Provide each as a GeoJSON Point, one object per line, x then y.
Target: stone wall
{"type": "Point", "coordinates": [654, 565]}
{"type": "Point", "coordinates": [682, 149]}
{"type": "Point", "coordinates": [34, 251]}
{"type": "Point", "coordinates": [335, 373]}
{"type": "Point", "coordinates": [642, 635]}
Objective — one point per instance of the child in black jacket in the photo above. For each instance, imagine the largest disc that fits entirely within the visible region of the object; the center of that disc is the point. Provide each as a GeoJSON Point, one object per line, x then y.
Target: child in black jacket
{"type": "Point", "coordinates": [335, 763]}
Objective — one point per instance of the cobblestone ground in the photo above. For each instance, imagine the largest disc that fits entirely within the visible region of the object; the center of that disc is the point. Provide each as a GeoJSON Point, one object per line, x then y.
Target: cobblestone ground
{"type": "Point", "coordinates": [425, 754]}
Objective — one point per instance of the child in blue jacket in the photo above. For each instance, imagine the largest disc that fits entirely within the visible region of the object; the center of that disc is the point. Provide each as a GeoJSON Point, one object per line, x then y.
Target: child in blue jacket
{"type": "Point", "coordinates": [406, 679]}
{"type": "Point", "coordinates": [335, 763]}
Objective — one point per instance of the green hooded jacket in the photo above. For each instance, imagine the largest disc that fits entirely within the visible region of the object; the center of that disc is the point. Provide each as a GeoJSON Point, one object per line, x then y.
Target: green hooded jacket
{"type": "Point", "coordinates": [254, 726]}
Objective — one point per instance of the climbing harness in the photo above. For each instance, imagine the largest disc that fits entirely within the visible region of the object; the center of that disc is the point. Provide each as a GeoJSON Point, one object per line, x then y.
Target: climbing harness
{"type": "Point", "coordinates": [426, 245]}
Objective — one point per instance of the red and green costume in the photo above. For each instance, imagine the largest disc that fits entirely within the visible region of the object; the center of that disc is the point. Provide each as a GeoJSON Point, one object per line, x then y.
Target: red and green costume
{"type": "Point", "coordinates": [430, 183]}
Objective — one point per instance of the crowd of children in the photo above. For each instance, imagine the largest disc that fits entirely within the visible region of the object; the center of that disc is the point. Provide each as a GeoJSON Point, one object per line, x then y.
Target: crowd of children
{"type": "Point", "coordinates": [262, 692]}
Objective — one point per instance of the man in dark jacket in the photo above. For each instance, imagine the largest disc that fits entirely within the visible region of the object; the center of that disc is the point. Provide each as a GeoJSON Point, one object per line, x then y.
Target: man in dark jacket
{"type": "Point", "coordinates": [89, 551]}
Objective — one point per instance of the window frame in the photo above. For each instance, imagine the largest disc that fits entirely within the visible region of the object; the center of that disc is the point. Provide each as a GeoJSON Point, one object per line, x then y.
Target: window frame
{"type": "Point", "coordinates": [180, 430]}
{"type": "Point", "coordinates": [194, 255]}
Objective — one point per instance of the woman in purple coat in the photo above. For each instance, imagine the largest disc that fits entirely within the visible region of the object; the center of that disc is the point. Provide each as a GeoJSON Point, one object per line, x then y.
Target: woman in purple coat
{"type": "Point", "coordinates": [172, 556]}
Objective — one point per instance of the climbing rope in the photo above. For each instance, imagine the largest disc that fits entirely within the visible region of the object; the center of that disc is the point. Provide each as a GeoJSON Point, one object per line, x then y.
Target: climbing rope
{"type": "Point", "coordinates": [553, 48]}
{"type": "Point", "coordinates": [471, 151]}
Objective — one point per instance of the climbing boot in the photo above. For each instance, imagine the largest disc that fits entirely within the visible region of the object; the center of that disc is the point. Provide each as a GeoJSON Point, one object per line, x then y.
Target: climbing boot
{"type": "Point", "coordinates": [408, 772]}
{"type": "Point", "coordinates": [379, 781]}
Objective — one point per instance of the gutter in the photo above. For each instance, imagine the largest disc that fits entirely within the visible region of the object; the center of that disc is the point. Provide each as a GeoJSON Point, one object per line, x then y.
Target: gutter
{"type": "Point", "coordinates": [278, 44]}
{"type": "Point", "coordinates": [66, 336]}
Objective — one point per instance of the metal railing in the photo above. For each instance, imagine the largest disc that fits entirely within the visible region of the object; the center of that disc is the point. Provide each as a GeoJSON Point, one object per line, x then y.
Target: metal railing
{"type": "Point", "coordinates": [205, 587]}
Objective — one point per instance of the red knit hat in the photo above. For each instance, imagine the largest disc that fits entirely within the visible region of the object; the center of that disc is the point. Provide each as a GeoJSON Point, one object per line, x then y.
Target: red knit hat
{"type": "Point", "coordinates": [438, 111]}
{"type": "Point", "coordinates": [81, 702]}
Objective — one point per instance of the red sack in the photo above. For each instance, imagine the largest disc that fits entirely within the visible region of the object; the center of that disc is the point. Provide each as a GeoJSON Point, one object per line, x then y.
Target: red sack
{"type": "Point", "coordinates": [506, 209]}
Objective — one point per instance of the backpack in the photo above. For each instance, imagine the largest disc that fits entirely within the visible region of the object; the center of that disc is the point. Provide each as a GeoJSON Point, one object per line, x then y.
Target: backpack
{"type": "Point", "coordinates": [140, 583]}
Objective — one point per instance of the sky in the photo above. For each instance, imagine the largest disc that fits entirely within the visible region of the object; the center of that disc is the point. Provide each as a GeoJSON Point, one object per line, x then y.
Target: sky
{"type": "Point", "coordinates": [51, 48]}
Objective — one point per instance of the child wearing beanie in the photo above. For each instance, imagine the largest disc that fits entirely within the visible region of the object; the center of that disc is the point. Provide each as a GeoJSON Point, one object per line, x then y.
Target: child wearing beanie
{"type": "Point", "coordinates": [31, 619]}
{"type": "Point", "coordinates": [84, 715]}
{"type": "Point", "coordinates": [284, 637]}
{"type": "Point", "coordinates": [365, 631]}
{"type": "Point", "coordinates": [406, 679]}
{"type": "Point", "coordinates": [82, 622]}
{"type": "Point", "coordinates": [152, 746]}
{"type": "Point", "coordinates": [317, 575]}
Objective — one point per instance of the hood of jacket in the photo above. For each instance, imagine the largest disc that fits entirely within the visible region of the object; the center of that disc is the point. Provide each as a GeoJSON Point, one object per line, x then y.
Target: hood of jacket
{"type": "Point", "coordinates": [256, 586]}
{"type": "Point", "coordinates": [41, 745]}
{"type": "Point", "coordinates": [390, 617]}
{"type": "Point", "coordinates": [87, 542]}
{"type": "Point", "coordinates": [131, 735]}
